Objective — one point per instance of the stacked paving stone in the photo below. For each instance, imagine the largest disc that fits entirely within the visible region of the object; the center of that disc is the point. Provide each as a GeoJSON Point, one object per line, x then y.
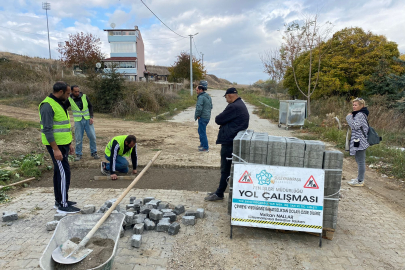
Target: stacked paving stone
{"type": "Point", "coordinates": [333, 166]}
{"type": "Point", "coordinates": [293, 152]}
{"type": "Point", "coordinates": [313, 157]}
{"type": "Point", "coordinates": [258, 148]}
{"type": "Point", "coordinates": [276, 149]}
{"type": "Point", "coordinates": [151, 214]}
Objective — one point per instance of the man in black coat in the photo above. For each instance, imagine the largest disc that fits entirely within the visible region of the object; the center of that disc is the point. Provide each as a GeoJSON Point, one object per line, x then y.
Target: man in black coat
{"type": "Point", "coordinates": [233, 119]}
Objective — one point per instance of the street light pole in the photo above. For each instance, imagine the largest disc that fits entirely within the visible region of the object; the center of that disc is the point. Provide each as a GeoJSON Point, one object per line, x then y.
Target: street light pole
{"type": "Point", "coordinates": [47, 6]}
{"type": "Point", "coordinates": [191, 63]}
{"type": "Point", "coordinates": [202, 55]}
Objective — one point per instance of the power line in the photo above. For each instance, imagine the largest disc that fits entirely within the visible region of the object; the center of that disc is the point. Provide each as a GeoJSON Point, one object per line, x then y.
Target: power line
{"type": "Point", "coordinates": [161, 20]}
{"type": "Point", "coordinates": [196, 48]}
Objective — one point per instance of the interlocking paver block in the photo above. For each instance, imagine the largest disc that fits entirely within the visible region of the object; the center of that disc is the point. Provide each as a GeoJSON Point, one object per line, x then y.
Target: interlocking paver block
{"type": "Point", "coordinates": [172, 216]}
{"type": "Point", "coordinates": [88, 209]}
{"type": "Point", "coordinates": [136, 240]}
{"type": "Point", "coordinates": [9, 216]}
{"type": "Point", "coordinates": [200, 213]}
{"type": "Point", "coordinates": [59, 216]}
{"type": "Point", "coordinates": [174, 228]}
{"type": "Point", "coordinates": [51, 225]}
{"type": "Point", "coordinates": [147, 199]}
{"type": "Point", "coordinates": [149, 224]}
{"type": "Point", "coordinates": [188, 220]}
{"type": "Point", "coordinates": [155, 215]}
{"type": "Point", "coordinates": [179, 209]}
{"type": "Point", "coordinates": [138, 228]}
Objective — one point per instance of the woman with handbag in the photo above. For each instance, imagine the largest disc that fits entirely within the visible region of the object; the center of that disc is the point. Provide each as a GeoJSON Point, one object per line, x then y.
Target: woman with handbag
{"type": "Point", "coordinates": [357, 121]}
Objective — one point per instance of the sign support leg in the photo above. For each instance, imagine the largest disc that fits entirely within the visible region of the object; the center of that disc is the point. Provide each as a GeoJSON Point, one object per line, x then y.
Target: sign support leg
{"type": "Point", "coordinates": [231, 228]}
{"type": "Point", "coordinates": [320, 240]}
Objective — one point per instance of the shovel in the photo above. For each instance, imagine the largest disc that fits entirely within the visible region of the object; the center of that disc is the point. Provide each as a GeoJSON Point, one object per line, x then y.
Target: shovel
{"type": "Point", "coordinates": [69, 252]}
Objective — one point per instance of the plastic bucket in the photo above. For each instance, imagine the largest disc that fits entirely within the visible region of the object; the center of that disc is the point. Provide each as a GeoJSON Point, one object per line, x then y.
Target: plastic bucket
{"type": "Point", "coordinates": [78, 226]}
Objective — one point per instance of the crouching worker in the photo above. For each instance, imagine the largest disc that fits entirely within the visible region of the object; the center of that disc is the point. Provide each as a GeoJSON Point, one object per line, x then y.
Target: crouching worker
{"type": "Point", "coordinates": [115, 152]}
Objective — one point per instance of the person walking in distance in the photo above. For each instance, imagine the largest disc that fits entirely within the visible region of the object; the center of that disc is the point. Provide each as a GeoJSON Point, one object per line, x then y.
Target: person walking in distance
{"type": "Point", "coordinates": [115, 152]}
{"type": "Point", "coordinates": [56, 135]}
{"type": "Point", "coordinates": [203, 115]}
{"type": "Point", "coordinates": [83, 116]}
{"type": "Point", "coordinates": [358, 123]}
{"type": "Point", "coordinates": [233, 119]}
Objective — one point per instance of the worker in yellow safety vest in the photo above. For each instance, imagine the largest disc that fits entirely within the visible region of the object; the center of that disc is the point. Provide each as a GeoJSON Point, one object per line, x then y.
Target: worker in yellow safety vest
{"type": "Point", "coordinates": [115, 152]}
{"type": "Point", "coordinates": [57, 137]}
{"type": "Point", "coordinates": [82, 111]}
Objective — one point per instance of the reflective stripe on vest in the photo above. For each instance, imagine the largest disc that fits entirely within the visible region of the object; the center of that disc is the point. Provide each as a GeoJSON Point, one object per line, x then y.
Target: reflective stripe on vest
{"type": "Point", "coordinates": [121, 141]}
{"type": "Point", "coordinates": [77, 113]}
{"type": "Point", "coordinates": [61, 123]}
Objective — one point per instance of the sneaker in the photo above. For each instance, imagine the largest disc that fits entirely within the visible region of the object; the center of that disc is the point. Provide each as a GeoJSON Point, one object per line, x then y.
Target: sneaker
{"type": "Point", "coordinates": [213, 197]}
{"type": "Point", "coordinates": [70, 203]}
{"type": "Point", "coordinates": [103, 169]}
{"type": "Point", "coordinates": [203, 150]}
{"type": "Point", "coordinates": [356, 183]}
{"type": "Point", "coordinates": [95, 156]}
{"type": "Point", "coordinates": [68, 210]}
{"type": "Point", "coordinates": [210, 193]}
{"type": "Point", "coordinates": [353, 181]}
{"type": "Point", "coordinates": [78, 157]}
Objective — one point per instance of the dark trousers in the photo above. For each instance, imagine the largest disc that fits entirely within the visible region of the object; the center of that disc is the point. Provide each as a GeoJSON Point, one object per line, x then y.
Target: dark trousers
{"type": "Point", "coordinates": [61, 175]}
{"type": "Point", "coordinates": [226, 152]}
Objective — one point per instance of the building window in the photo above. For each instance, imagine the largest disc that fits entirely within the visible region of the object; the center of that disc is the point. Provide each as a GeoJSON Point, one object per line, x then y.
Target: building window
{"type": "Point", "coordinates": [129, 64]}
{"type": "Point", "coordinates": [123, 47]}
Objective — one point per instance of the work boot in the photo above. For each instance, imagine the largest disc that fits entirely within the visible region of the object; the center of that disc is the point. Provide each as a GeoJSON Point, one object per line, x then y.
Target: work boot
{"type": "Point", "coordinates": [95, 156]}
{"type": "Point", "coordinates": [78, 157]}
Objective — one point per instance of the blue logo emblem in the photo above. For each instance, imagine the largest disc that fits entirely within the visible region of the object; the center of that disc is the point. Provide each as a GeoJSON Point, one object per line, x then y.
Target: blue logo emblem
{"type": "Point", "coordinates": [264, 178]}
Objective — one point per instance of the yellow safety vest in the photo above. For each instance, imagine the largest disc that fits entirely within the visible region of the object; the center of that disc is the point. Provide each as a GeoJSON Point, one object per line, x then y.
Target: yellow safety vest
{"type": "Point", "coordinates": [61, 123]}
{"type": "Point", "coordinates": [77, 113]}
{"type": "Point", "coordinates": [121, 141]}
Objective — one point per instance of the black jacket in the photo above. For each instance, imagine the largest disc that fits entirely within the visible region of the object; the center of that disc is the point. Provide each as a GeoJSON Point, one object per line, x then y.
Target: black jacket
{"type": "Point", "coordinates": [233, 119]}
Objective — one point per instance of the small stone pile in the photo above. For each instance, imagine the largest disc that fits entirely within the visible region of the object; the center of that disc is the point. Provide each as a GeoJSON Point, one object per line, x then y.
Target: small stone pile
{"type": "Point", "coordinates": [9, 216]}
{"type": "Point", "coordinates": [150, 214]}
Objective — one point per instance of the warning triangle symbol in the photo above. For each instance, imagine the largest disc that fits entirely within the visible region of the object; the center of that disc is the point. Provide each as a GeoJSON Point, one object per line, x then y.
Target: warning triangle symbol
{"type": "Point", "coordinates": [245, 179]}
{"type": "Point", "coordinates": [311, 183]}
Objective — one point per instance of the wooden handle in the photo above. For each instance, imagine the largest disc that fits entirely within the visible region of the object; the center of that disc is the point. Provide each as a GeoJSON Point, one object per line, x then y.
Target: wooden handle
{"type": "Point", "coordinates": [127, 177]}
{"type": "Point", "coordinates": [17, 183]}
{"type": "Point", "coordinates": [105, 216]}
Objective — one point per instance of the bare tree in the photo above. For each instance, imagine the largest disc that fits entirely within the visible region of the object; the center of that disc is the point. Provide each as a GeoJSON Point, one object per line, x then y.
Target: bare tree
{"type": "Point", "coordinates": [299, 39]}
{"type": "Point", "coordinates": [273, 64]}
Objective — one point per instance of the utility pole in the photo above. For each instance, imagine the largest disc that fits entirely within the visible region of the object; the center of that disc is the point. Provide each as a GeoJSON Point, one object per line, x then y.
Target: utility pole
{"type": "Point", "coordinates": [202, 55]}
{"type": "Point", "coordinates": [47, 6]}
{"type": "Point", "coordinates": [191, 63]}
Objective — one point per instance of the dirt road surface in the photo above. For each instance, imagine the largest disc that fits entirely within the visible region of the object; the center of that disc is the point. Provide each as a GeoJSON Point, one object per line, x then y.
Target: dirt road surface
{"type": "Point", "coordinates": [370, 220]}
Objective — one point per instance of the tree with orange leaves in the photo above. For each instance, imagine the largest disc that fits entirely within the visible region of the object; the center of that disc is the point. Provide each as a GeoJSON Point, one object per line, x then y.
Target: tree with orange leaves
{"type": "Point", "coordinates": [81, 49]}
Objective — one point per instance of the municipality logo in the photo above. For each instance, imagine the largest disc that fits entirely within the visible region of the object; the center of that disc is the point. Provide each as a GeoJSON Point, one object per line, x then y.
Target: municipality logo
{"type": "Point", "coordinates": [264, 178]}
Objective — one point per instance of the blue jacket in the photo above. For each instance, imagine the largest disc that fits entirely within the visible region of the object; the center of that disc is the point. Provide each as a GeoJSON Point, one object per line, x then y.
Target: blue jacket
{"type": "Point", "coordinates": [233, 119]}
{"type": "Point", "coordinates": [203, 107]}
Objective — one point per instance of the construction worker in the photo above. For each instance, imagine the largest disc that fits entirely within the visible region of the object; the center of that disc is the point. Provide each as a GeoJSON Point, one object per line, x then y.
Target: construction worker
{"type": "Point", "coordinates": [83, 116]}
{"type": "Point", "coordinates": [57, 137]}
{"type": "Point", "coordinates": [115, 152]}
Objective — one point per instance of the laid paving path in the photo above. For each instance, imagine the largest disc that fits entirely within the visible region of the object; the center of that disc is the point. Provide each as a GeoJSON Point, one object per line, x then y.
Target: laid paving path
{"type": "Point", "coordinates": [369, 235]}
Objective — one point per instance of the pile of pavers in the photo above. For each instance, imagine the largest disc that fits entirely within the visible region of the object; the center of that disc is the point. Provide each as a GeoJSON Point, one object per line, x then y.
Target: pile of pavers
{"type": "Point", "coordinates": [147, 214]}
{"type": "Point", "coordinates": [150, 214]}
{"type": "Point", "coordinates": [260, 148]}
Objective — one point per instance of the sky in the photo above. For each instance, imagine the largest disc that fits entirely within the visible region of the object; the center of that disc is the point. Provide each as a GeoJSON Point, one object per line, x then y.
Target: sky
{"type": "Point", "coordinates": [232, 34]}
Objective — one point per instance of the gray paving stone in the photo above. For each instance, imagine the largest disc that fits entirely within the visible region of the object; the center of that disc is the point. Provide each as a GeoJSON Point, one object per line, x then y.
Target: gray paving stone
{"type": "Point", "coordinates": [147, 199]}
{"type": "Point", "coordinates": [149, 224]}
{"type": "Point", "coordinates": [163, 205]}
{"type": "Point", "coordinates": [136, 240]}
{"type": "Point", "coordinates": [138, 228]}
{"type": "Point", "coordinates": [191, 213]}
{"type": "Point", "coordinates": [200, 213]}
{"type": "Point", "coordinates": [155, 215]}
{"type": "Point", "coordinates": [179, 209]}
{"type": "Point", "coordinates": [59, 216]}
{"type": "Point", "coordinates": [145, 209]}
{"type": "Point", "coordinates": [51, 225]}
{"type": "Point", "coordinates": [189, 220]}
{"type": "Point", "coordinates": [132, 199]}
{"type": "Point", "coordinates": [162, 226]}
{"type": "Point", "coordinates": [174, 228]}
{"type": "Point", "coordinates": [88, 209]}
{"type": "Point", "coordinates": [9, 216]}
{"type": "Point", "coordinates": [172, 216]}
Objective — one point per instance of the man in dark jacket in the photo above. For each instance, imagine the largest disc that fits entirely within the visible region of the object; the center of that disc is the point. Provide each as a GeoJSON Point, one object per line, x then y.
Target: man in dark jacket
{"type": "Point", "coordinates": [203, 115]}
{"type": "Point", "coordinates": [233, 119]}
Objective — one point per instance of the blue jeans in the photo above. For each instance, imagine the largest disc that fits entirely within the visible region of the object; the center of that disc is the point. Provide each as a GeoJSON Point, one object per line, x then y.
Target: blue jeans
{"type": "Point", "coordinates": [80, 127]}
{"type": "Point", "coordinates": [121, 164]}
{"type": "Point", "coordinates": [202, 131]}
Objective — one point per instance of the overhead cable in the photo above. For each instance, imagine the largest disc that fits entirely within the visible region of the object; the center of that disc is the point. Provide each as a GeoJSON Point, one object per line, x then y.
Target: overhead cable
{"type": "Point", "coordinates": [161, 20]}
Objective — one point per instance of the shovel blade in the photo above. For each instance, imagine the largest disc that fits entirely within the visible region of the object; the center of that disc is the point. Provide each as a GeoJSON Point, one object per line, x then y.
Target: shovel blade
{"type": "Point", "coordinates": [61, 253]}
